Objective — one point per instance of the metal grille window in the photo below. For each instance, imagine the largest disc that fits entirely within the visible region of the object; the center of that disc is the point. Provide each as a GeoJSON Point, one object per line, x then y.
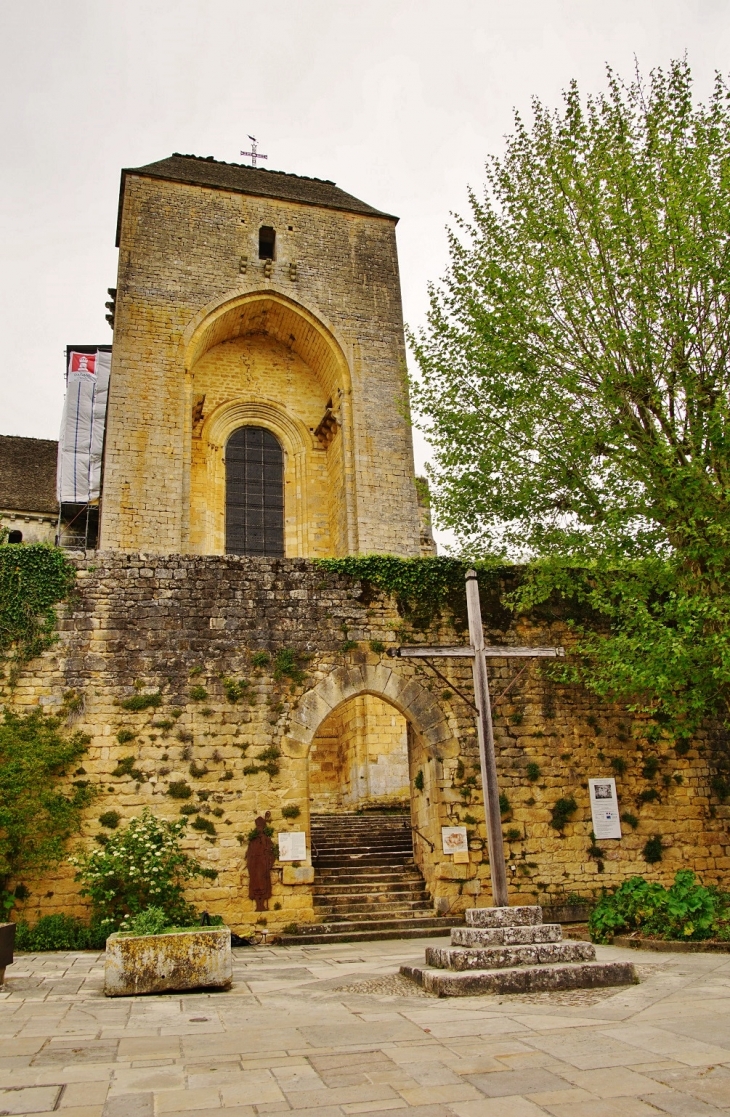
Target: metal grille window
{"type": "Point", "coordinates": [254, 493]}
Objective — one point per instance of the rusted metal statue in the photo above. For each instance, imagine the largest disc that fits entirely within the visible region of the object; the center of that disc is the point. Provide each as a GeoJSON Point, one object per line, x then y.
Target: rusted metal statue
{"type": "Point", "coordinates": [260, 859]}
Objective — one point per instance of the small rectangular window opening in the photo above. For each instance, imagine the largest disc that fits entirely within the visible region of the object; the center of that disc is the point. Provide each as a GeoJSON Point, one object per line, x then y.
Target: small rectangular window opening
{"type": "Point", "coordinates": [267, 240]}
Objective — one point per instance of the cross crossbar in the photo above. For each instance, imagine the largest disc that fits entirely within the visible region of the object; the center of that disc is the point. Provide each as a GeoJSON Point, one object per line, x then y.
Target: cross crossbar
{"type": "Point", "coordinates": [478, 653]}
{"type": "Point", "coordinates": [420, 651]}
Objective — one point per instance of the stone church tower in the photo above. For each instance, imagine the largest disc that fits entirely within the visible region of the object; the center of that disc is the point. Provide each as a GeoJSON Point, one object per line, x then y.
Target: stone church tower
{"type": "Point", "coordinates": [257, 401]}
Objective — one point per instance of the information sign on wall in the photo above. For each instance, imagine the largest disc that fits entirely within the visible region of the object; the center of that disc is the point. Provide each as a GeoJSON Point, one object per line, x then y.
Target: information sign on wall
{"type": "Point", "coordinates": [604, 808]}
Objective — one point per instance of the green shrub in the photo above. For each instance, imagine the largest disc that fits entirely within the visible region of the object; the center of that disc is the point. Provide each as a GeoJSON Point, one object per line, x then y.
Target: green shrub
{"type": "Point", "coordinates": [141, 866]}
{"type": "Point", "coordinates": [204, 824]}
{"type": "Point", "coordinates": [151, 921]}
{"type": "Point", "coordinates": [110, 819]}
{"type": "Point", "coordinates": [32, 579]}
{"type": "Point", "coordinates": [687, 910]}
{"type": "Point", "coordinates": [36, 815]}
{"type": "Point", "coordinates": [286, 665]}
{"type": "Point", "coordinates": [619, 765]}
{"type": "Point", "coordinates": [377, 646]}
{"type": "Point", "coordinates": [124, 736]}
{"type": "Point", "coordinates": [505, 807]}
{"type": "Point", "coordinates": [291, 812]}
{"type": "Point", "coordinates": [651, 767]}
{"type": "Point", "coordinates": [58, 932]}
{"type": "Point", "coordinates": [235, 689]}
{"type": "Point", "coordinates": [533, 771]}
{"type": "Point", "coordinates": [630, 819]}
{"type": "Point", "coordinates": [141, 702]}
{"type": "Point", "coordinates": [125, 766]}
{"type": "Point", "coordinates": [198, 693]}
{"type": "Point", "coordinates": [419, 782]}
{"type": "Point", "coordinates": [260, 659]}
{"type": "Point", "coordinates": [179, 789]}
{"type": "Point", "coordinates": [562, 811]}
{"type": "Point", "coordinates": [653, 850]}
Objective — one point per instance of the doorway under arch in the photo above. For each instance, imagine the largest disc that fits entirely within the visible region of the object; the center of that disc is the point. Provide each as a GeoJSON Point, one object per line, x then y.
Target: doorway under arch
{"type": "Point", "coordinates": [359, 758]}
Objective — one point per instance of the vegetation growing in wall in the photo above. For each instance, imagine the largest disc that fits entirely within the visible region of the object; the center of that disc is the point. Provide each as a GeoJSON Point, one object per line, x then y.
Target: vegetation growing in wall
{"type": "Point", "coordinates": [37, 816]}
{"type": "Point", "coordinates": [33, 579]}
{"type": "Point", "coordinates": [421, 586]}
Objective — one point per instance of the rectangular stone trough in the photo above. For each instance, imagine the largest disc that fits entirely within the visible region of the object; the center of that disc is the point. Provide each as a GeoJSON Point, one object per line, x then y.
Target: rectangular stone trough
{"type": "Point", "coordinates": [180, 960]}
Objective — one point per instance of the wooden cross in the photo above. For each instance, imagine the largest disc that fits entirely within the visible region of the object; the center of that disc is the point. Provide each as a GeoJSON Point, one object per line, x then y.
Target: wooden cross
{"type": "Point", "coordinates": [253, 154]}
{"type": "Point", "coordinates": [478, 652]}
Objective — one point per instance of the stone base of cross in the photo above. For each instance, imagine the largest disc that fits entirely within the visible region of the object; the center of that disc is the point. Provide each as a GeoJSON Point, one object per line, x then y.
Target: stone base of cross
{"type": "Point", "coordinates": [478, 652]}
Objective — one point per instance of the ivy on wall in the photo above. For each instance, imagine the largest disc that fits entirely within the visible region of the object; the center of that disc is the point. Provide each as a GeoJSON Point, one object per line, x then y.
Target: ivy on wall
{"type": "Point", "coordinates": [33, 579]}
{"type": "Point", "coordinates": [421, 586]}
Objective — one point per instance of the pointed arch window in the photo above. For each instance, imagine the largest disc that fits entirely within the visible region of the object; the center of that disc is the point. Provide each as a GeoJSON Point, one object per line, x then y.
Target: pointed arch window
{"type": "Point", "coordinates": [254, 493]}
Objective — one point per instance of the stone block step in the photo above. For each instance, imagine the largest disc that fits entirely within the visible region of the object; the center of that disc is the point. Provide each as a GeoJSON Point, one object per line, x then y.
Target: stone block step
{"type": "Point", "coordinates": [506, 957]}
{"type": "Point", "coordinates": [337, 934]}
{"type": "Point", "coordinates": [386, 912]}
{"type": "Point", "coordinates": [522, 979]}
{"type": "Point", "coordinates": [367, 903]}
{"type": "Point", "coordinates": [369, 888]}
{"type": "Point", "coordinates": [367, 876]}
{"type": "Point", "coordinates": [519, 916]}
{"type": "Point", "coordinates": [506, 936]}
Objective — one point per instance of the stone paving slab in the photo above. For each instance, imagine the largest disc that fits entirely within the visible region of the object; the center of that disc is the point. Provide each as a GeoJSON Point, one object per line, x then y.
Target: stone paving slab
{"type": "Point", "coordinates": [328, 1031]}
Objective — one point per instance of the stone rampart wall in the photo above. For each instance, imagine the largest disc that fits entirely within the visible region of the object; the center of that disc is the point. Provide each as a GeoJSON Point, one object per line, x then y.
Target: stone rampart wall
{"type": "Point", "coordinates": [170, 625]}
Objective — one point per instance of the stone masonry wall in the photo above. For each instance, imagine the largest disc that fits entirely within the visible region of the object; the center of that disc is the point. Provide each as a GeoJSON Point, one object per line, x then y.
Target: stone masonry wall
{"type": "Point", "coordinates": [169, 625]}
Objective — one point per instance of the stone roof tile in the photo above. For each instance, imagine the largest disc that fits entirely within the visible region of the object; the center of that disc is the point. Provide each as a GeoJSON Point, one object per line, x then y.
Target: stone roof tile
{"type": "Point", "coordinates": [240, 179]}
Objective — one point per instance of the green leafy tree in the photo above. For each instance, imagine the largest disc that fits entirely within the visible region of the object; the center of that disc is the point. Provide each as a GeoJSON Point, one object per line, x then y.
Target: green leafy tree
{"type": "Point", "coordinates": [39, 807]}
{"type": "Point", "coordinates": [574, 382]}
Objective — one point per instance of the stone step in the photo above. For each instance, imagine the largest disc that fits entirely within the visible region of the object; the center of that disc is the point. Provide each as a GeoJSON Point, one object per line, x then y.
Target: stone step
{"type": "Point", "coordinates": [358, 848]}
{"type": "Point", "coordinates": [411, 896]}
{"type": "Point", "coordinates": [519, 916]}
{"type": "Point", "coordinates": [335, 933]}
{"type": "Point", "coordinates": [506, 936]}
{"type": "Point", "coordinates": [365, 896]}
{"type": "Point", "coordinates": [326, 862]}
{"type": "Point", "coordinates": [367, 877]}
{"type": "Point", "coordinates": [522, 979]}
{"type": "Point", "coordinates": [507, 957]}
{"type": "Point", "coordinates": [361, 887]}
{"type": "Point", "coordinates": [387, 912]}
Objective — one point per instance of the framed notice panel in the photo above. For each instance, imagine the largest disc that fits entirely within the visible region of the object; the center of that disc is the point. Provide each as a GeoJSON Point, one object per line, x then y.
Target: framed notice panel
{"type": "Point", "coordinates": [292, 845]}
{"type": "Point", "coordinates": [455, 841]}
{"type": "Point", "coordinates": [604, 808]}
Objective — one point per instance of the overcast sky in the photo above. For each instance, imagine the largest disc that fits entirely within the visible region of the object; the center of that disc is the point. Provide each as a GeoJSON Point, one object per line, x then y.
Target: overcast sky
{"type": "Point", "coordinates": [398, 101]}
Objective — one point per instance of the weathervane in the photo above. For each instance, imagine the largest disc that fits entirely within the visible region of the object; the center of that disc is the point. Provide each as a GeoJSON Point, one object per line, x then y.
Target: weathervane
{"type": "Point", "coordinates": [253, 154]}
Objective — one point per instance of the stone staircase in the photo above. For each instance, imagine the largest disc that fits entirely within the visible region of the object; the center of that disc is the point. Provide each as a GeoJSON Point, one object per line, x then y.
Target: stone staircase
{"type": "Point", "coordinates": [511, 950]}
{"type": "Point", "coordinates": [367, 885]}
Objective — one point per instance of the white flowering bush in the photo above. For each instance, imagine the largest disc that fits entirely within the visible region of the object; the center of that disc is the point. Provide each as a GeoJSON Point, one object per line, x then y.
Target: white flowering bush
{"type": "Point", "coordinates": [140, 867]}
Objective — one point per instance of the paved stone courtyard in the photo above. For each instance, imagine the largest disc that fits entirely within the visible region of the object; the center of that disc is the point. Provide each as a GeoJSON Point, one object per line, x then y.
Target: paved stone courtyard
{"type": "Point", "coordinates": [334, 1030]}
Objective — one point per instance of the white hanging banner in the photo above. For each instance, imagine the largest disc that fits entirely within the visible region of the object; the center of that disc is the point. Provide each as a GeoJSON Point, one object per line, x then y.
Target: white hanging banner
{"type": "Point", "coordinates": [604, 808]}
{"type": "Point", "coordinates": [81, 443]}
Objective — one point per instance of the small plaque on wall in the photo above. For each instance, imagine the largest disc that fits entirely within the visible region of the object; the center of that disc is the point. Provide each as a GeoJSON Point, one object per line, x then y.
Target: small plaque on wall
{"type": "Point", "coordinates": [454, 839]}
{"type": "Point", "coordinates": [604, 808]}
{"type": "Point", "coordinates": [292, 845]}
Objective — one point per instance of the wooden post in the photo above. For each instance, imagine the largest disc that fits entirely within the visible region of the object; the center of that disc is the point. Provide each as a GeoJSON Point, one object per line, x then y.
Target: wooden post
{"type": "Point", "coordinates": [487, 757]}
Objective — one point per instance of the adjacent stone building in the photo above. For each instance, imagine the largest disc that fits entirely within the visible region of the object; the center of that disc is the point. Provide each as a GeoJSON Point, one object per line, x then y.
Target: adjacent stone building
{"type": "Point", "coordinates": [28, 506]}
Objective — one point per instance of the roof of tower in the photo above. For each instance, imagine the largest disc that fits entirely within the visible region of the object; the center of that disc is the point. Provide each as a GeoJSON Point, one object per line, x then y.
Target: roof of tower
{"type": "Point", "coordinates": [200, 171]}
{"type": "Point", "coordinates": [28, 474]}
